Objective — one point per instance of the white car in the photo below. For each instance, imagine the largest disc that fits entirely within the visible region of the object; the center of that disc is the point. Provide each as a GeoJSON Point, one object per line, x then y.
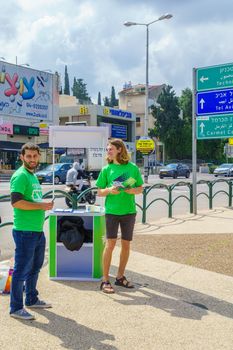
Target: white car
{"type": "Point", "coordinates": [225, 169]}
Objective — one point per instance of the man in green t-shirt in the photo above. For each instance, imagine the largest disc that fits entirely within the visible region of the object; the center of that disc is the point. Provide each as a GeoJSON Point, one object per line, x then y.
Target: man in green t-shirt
{"type": "Point", "coordinates": [29, 216]}
{"type": "Point", "coordinates": [119, 182]}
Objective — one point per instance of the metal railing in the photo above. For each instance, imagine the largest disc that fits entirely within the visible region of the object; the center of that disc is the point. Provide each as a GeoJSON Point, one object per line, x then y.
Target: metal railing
{"type": "Point", "coordinates": [74, 199]}
{"type": "Point", "coordinates": [170, 201]}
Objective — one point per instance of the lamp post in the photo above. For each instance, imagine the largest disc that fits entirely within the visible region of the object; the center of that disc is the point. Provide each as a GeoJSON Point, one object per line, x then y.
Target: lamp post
{"type": "Point", "coordinates": [129, 24]}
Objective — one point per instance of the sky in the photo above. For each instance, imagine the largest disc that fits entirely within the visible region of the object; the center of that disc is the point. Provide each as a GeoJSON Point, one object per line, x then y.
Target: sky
{"type": "Point", "coordinates": [91, 39]}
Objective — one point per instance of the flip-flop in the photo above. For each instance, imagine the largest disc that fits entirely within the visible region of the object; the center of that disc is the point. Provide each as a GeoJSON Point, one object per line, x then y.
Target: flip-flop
{"type": "Point", "coordinates": [123, 282]}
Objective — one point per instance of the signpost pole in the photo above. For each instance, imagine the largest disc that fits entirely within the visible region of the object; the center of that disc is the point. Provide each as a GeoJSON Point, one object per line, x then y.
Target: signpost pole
{"type": "Point", "coordinates": [194, 146]}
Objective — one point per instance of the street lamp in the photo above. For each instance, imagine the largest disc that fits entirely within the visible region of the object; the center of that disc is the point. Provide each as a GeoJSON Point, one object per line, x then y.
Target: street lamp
{"type": "Point", "coordinates": [129, 24]}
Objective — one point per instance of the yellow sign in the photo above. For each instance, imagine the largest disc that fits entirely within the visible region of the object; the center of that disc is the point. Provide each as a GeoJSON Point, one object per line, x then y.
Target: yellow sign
{"type": "Point", "coordinates": [145, 146]}
{"type": "Point", "coordinates": [230, 141]}
{"type": "Point", "coordinates": [43, 125]}
{"type": "Point", "coordinates": [83, 110]}
{"type": "Point", "coordinates": [106, 111]}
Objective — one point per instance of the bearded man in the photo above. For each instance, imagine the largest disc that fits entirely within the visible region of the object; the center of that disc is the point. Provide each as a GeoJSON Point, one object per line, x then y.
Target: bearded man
{"type": "Point", "coordinates": [29, 238]}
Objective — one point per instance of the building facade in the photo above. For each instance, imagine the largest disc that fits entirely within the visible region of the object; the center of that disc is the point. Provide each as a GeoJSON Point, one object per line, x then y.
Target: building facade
{"type": "Point", "coordinates": [132, 98]}
{"type": "Point", "coordinates": [121, 123]}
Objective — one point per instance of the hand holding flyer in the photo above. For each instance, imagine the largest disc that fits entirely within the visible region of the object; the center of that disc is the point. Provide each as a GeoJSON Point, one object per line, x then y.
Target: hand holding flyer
{"type": "Point", "coordinates": [121, 185]}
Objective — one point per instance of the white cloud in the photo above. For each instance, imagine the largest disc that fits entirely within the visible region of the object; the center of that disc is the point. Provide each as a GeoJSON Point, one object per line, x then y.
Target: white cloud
{"type": "Point", "coordinates": [90, 38]}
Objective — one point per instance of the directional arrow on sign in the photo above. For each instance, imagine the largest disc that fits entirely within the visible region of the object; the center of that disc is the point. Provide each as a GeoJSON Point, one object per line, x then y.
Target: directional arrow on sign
{"type": "Point", "coordinates": [202, 125]}
{"type": "Point", "coordinates": [202, 101]}
{"type": "Point", "coordinates": [202, 79]}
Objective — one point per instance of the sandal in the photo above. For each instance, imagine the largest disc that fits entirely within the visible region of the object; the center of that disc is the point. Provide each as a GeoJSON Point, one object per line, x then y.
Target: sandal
{"type": "Point", "coordinates": [106, 287]}
{"type": "Point", "coordinates": [123, 282]}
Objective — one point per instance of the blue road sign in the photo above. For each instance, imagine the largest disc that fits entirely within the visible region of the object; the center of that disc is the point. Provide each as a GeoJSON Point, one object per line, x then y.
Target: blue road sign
{"type": "Point", "coordinates": [214, 102]}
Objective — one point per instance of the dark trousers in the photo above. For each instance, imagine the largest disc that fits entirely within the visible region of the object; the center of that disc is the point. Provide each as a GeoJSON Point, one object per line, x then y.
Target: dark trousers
{"type": "Point", "coordinates": [29, 258]}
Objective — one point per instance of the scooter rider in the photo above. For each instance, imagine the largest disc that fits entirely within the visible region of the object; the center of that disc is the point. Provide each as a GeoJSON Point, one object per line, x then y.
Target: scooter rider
{"type": "Point", "coordinates": [71, 176]}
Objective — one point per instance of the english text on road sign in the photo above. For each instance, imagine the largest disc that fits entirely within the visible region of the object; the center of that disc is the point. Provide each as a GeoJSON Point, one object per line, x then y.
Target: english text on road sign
{"type": "Point", "coordinates": [214, 127]}
{"type": "Point", "coordinates": [214, 77]}
{"type": "Point", "coordinates": [214, 102]}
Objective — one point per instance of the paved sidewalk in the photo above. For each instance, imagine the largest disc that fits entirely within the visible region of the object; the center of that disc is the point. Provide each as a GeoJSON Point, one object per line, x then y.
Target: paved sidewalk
{"type": "Point", "coordinates": [173, 306]}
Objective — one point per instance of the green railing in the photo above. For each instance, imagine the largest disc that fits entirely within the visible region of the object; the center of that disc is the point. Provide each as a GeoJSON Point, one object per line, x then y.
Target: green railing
{"type": "Point", "coordinates": [74, 198]}
{"type": "Point", "coordinates": [170, 201]}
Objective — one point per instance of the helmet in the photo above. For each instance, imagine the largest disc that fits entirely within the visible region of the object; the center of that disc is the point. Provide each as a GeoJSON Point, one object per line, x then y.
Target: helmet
{"type": "Point", "coordinates": [76, 165]}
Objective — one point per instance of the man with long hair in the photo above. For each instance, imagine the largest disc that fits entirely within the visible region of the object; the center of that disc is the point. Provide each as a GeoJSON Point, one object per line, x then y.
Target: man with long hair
{"type": "Point", "coordinates": [29, 216]}
{"type": "Point", "coordinates": [119, 181]}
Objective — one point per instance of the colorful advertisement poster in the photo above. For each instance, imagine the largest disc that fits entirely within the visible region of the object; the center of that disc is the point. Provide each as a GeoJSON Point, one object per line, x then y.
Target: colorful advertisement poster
{"type": "Point", "coordinates": [27, 93]}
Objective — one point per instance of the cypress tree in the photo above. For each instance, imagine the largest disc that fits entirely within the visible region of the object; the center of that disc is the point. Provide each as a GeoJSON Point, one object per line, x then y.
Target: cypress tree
{"type": "Point", "coordinates": [99, 99]}
{"type": "Point", "coordinates": [67, 83]}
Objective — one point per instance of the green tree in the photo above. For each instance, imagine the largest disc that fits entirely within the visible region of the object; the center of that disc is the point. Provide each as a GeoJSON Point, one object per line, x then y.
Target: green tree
{"type": "Point", "coordinates": [67, 83]}
{"type": "Point", "coordinates": [99, 99]}
{"type": "Point", "coordinates": [80, 91]}
{"type": "Point", "coordinates": [168, 124]}
{"type": "Point", "coordinates": [185, 104]}
{"type": "Point", "coordinates": [113, 100]}
{"type": "Point", "coordinates": [207, 150]}
{"type": "Point", "coordinates": [106, 101]}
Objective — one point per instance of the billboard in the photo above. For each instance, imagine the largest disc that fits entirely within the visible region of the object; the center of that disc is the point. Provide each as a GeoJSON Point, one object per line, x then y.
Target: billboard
{"type": "Point", "coordinates": [26, 92]}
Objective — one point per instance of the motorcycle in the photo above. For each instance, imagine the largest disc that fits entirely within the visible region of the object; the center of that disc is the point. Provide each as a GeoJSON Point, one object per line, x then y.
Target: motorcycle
{"type": "Point", "coordinates": [81, 185]}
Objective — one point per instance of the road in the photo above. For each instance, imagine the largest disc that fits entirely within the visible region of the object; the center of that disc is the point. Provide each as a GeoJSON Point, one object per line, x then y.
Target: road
{"type": "Point", "coordinates": [156, 210]}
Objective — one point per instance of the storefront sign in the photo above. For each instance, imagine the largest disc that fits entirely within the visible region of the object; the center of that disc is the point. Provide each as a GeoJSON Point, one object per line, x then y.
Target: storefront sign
{"type": "Point", "coordinates": [119, 131]}
{"type": "Point", "coordinates": [83, 110]}
{"type": "Point", "coordinates": [44, 128]}
{"type": "Point", "coordinates": [117, 113]}
{"type": "Point", "coordinates": [6, 128]}
{"type": "Point", "coordinates": [25, 130]}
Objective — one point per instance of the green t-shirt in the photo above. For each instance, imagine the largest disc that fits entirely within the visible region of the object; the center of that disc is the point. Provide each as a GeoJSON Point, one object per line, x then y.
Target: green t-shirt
{"type": "Point", "coordinates": [122, 176]}
{"type": "Point", "coordinates": [26, 183]}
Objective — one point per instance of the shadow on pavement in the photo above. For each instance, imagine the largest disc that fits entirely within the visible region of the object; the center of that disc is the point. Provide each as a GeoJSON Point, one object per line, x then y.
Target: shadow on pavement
{"type": "Point", "coordinates": [73, 335]}
{"type": "Point", "coordinates": [176, 300]}
{"type": "Point", "coordinates": [171, 298]}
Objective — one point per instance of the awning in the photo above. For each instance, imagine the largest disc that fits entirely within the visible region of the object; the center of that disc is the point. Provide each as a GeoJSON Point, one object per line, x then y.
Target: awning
{"type": "Point", "coordinates": [45, 145]}
{"type": "Point", "coordinates": [10, 146]}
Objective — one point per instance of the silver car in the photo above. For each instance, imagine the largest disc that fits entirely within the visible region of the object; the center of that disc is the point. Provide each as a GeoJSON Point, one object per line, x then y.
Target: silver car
{"type": "Point", "coordinates": [225, 169]}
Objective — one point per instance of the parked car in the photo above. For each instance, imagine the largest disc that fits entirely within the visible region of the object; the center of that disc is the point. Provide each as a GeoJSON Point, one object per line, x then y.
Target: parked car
{"type": "Point", "coordinates": [154, 163]}
{"type": "Point", "coordinates": [174, 170]}
{"type": "Point", "coordinates": [60, 171]}
{"type": "Point", "coordinates": [225, 169]}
